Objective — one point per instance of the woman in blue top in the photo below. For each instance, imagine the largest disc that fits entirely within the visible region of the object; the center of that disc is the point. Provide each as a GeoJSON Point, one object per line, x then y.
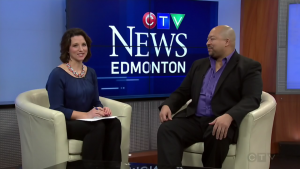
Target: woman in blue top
{"type": "Point", "coordinates": [73, 89]}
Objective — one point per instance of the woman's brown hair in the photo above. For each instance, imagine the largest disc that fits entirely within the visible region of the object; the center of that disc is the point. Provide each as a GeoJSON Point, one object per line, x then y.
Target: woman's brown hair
{"type": "Point", "coordinates": [66, 42]}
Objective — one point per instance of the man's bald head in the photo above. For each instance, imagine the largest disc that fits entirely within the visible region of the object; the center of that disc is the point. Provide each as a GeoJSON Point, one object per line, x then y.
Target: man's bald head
{"type": "Point", "coordinates": [221, 41]}
{"type": "Point", "coordinates": [227, 32]}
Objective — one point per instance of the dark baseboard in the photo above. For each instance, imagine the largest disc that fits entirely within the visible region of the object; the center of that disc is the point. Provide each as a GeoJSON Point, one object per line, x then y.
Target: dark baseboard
{"type": "Point", "coordinates": [7, 106]}
{"type": "Point", "coordinates": [149, 157]}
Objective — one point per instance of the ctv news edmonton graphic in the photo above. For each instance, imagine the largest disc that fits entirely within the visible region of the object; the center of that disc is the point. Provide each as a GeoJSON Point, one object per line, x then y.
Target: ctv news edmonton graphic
{"type": "Point", "coordinates": [143, 48]}
{"type": "Point", "coordinates": [158, 43]}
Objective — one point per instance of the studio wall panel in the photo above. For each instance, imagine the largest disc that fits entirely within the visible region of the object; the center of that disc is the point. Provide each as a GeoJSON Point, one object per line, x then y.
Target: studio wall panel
{"type": "Point", "coordinates": [259, 37]}
{"type": "Point", "coordinates": [263, 38]}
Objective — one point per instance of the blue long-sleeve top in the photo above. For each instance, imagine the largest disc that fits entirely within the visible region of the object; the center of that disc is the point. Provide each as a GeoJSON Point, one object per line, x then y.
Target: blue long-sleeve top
{"type": "Point", "coordinates": [67, 93]}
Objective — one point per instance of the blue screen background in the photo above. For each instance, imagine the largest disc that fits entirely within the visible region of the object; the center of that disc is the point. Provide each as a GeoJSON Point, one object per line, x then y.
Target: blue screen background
{"type": "Point", "coordinates": [95, 17]}
{"type": "Point", "coordinates": [293, 48]}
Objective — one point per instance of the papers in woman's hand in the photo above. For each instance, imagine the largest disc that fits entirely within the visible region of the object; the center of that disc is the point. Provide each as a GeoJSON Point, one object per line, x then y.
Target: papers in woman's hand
{"type": "Point", "coordinates": [98, 118]}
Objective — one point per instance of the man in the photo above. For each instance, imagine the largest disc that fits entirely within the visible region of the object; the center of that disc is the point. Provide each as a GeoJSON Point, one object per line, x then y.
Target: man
{"type": "Point", "coordinates": [223, 88]}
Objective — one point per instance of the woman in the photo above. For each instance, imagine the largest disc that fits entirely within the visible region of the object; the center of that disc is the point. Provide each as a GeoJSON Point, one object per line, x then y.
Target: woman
{"type": "Point", "coordinates": [73, 89]}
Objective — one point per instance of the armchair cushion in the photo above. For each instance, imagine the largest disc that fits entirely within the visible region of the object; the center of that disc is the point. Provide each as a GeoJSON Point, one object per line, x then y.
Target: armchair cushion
{"type": "Point", "coordinates": [75, 146]}
{"type": "Point", "coordinates": [198, 148]}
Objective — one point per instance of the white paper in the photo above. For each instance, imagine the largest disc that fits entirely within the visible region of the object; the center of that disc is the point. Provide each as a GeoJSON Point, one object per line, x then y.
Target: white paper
{"type": "Point", "coordinates": [98, 118]}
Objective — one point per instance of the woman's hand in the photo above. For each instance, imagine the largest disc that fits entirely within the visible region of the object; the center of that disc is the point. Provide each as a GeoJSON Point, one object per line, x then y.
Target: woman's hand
{"type": "Point", "coordinates": [107, 111]}
{"type": "Point", "coordinates": [95, 112]}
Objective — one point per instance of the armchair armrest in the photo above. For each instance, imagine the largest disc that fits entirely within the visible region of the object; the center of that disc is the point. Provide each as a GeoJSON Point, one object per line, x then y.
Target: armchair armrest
{"type": "Point", "coordinates": [255, 135]}
{"type": "Point", "coordinates": [183, 107]}
{"type": "Point", "coordinates": [42, 133]}
{"type": "Point", "coordinates": [117, 108]}
{"type": "Point", "coordinates": [123, 111]}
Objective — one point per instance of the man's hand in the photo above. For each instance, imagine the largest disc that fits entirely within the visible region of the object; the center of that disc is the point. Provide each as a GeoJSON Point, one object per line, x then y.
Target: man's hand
{"type": "Point", "coordinates": [221, 125]}
{"type": "Point", "coordinates": [165, 114]}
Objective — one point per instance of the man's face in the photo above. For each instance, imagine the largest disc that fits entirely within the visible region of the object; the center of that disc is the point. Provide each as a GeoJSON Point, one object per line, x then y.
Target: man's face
{"type": "Point", "coordinates": [215, 44]}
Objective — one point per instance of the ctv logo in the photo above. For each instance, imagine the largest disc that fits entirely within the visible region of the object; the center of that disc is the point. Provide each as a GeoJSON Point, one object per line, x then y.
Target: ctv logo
{"type": "Point", "coordinates": [162, 20]}
{"type": "Point", "coordinates": [149, 20]}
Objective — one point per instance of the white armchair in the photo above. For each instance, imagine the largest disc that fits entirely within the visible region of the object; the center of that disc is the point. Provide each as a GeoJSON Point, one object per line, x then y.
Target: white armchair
{"type": "Point", "coordinates": [43, 132]}
{"type": "Point", "coordinates": [252, 150]}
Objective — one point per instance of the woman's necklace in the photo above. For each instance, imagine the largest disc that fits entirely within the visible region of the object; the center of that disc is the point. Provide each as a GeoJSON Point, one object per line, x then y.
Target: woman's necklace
{"type": "Point", "coordinates": [74, 72]}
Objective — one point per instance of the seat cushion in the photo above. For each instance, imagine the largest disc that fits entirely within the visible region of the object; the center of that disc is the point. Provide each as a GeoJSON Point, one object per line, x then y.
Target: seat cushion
{"type": "Point", "coordinates": [74, 158]}
{"type": "Point", "coordinates": [199, 148]}
{"type": "Point", "coordinates": [75, 147]}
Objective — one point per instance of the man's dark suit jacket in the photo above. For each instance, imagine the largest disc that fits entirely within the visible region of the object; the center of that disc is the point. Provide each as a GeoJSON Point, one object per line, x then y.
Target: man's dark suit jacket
{"type": "Point", "coordinates": [237, 92]}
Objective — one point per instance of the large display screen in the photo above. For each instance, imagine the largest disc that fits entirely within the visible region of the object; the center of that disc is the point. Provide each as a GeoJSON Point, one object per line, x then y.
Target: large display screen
{"type": "Point", "coordinates": [143, 48]}
{"type": "Point", "coordinates": [293, 47]}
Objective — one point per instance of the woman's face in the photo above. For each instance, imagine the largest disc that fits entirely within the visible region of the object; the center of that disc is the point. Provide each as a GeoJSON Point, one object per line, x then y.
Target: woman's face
{"type": "Point", "coordinates": [78, 48]}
